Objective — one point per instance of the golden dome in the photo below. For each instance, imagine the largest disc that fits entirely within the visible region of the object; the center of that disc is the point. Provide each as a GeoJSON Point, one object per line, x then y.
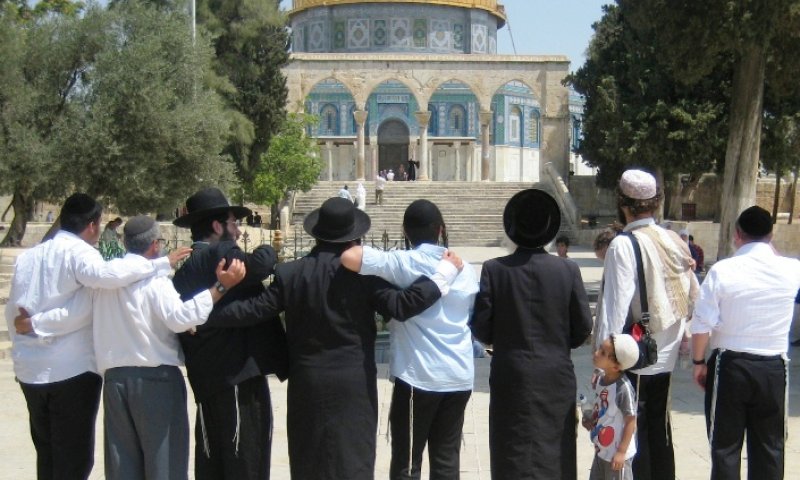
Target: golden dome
{"type": "Point", "coordinates": [492, 6]}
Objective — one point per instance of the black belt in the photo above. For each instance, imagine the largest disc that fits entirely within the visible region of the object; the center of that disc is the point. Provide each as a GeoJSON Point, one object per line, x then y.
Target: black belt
{"type": "Point", "coordinates": [748, 356]}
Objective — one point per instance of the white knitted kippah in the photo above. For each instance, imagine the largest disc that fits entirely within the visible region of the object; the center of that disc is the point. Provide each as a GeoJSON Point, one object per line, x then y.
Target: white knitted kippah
{"type": "Point", "coordinates": [637, 184]}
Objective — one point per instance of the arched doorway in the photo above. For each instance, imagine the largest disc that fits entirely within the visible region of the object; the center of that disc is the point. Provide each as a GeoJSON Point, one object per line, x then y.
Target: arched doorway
{"type": "Point", "coordinates": [392, 145]}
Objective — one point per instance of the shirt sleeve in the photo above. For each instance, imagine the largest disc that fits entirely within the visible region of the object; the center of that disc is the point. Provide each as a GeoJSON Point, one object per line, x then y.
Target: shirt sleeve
{"type": "Point", "coordinates": [74, 315]}
{"type": "Point", "coordinates": [626, 399]}
{"type": "Point", "coordinates": [386, 265]}
{"type": "Point", "coordinates": [177, 315]}
{"type": "Point", "coordinates": [619, 286]}
{"type": "Point", "coordinates": [94, 272]}
{"type": "Point", "coordinates": [706, 314]}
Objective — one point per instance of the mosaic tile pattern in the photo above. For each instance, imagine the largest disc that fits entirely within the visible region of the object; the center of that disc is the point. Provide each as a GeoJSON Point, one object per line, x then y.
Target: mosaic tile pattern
{"type": "Point", "coordinates": [338, 34]}
{"type": "Point", "coordinates": [440, 34]}
{"type": "Point", "coordinates": [316, 36]}
{"type": "Point", "coordinates": [380, 33]}
{"type": "Point", "coordinates": [357, 33]}
{"type": "Point", "coordinates": [420, 32]}
{"type": "Point", "coordinates": [458, 36]}
{"type": "Point", "coordinates": [401, 32]}
{"type": "Point", "coordinates": [479, 34]}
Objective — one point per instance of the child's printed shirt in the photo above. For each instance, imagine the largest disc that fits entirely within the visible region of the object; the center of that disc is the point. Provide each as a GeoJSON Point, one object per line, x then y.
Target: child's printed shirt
{"type": "Point", "coordinates": [612, 403]}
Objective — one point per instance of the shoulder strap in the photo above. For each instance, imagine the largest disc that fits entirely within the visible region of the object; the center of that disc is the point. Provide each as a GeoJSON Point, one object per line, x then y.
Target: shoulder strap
{"type": "Point", "coordinates": [637, 251]}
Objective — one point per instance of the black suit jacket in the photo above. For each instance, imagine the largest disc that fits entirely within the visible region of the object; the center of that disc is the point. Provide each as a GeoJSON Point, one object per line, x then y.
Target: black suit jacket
{"type": "Point", "coordinates": [221, 355]}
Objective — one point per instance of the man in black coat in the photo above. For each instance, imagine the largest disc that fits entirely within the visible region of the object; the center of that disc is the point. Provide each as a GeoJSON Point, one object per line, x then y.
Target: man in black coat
{"type": "Point", "coordinates": [332, 403]}
{"type": "Point", "coordinates": [532, 307]}
{"type": "Point", "coordinates": [227, 364]}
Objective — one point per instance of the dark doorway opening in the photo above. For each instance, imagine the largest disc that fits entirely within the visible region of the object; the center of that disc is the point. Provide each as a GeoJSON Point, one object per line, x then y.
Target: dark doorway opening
{"type": "Point", "coordinates": [392, 145]}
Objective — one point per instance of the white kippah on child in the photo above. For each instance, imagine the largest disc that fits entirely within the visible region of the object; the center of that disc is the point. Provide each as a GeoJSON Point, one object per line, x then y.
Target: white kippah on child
{"type": "Point", "coordinates": [626, 350]}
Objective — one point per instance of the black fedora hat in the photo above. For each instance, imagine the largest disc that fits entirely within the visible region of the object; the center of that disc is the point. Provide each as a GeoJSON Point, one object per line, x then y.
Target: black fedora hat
{"type": "Point", "coordinates": [337, 221]}
{"type": "Point", "coordinates": [208, 202]}
{"type": "Point", "coordinates": [532, 218]}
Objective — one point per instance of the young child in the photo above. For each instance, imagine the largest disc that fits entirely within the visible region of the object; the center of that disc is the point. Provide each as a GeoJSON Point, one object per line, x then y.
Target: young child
{"type": "Point", "coordinates": [612, 421]}
{"type": "Point", "coordinates": [562, 246]}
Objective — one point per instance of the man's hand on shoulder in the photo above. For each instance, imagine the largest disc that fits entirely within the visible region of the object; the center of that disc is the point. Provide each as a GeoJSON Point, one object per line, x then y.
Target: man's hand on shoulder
{"type": "Point", "coordinates": [233, 275]}
{"type": "Point", "coordinates": [178, 254]}
{"type": "Point", "coordinates": [453, 258]}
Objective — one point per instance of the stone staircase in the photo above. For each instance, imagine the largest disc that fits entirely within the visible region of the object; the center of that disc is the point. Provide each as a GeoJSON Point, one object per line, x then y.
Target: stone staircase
{"type": "Point", "coordinates": [473, 211]}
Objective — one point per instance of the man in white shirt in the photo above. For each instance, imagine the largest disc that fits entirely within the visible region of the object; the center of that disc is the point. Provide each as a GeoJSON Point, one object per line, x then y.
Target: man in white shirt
{"type": "Point", "coordinates": [345, 193]}
{"type": "Point", "coordinates": [144, 398]}
{"type": "Point", "coordinates": [53, 355]}
{"type": "Point", "coordinates": [670, 283]}
{"type": "Point", "coordinates": [744, 312]}
{"type": "Point", "coordinates": [380, 185]}
{"type": "Point", "coordinates": [431, 353]}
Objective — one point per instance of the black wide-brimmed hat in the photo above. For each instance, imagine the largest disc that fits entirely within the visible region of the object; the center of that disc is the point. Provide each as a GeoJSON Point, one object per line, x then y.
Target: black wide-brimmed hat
{"type": "Point", "coordinates": [532, 218]}
{"type": "Point", "coordinates": [337, 221]}
{"type": "Point", "coordinates": [208, 202]}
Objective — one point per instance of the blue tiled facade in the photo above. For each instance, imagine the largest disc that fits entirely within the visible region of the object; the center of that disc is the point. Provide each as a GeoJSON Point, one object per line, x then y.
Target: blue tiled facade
{"type": "Point", "coordinates": [407, 28]}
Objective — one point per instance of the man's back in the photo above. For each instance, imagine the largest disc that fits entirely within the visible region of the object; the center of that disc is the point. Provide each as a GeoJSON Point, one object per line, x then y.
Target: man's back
{"type": "Point", "coordinates": [44, 279]}
{"type": "Point", "coordinates": [137, 324]}
{"type": "Point", "coordinates": [754, 292]}
{"type": "Point", "coordinates": [432, 350]}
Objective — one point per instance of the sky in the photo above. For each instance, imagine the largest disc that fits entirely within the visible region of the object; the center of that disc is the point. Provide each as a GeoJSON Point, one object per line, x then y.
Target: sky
{"type": "Point", "coordinates": [545, 27]}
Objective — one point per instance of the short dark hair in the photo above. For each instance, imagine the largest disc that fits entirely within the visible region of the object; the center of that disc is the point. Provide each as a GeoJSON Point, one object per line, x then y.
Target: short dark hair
{"type": "Point", "coordinates": [754, 224]}
{"type": "Point", "coordinates": [422, 222]}
{"type": "Point", "coordinates": [202, 229]}
{"type": "Point", "coordinates": [78, 211]}
{"type": "Point", "coordinates": [563, 239]}
{"type": "Point", "coordinates": [603, 239]}
{"type": "Point", "coordinates": [638, 207]}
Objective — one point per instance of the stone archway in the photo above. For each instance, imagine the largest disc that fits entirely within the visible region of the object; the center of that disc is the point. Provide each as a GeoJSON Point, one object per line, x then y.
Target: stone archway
{"type": "Point", "coordinates": [393, 138]}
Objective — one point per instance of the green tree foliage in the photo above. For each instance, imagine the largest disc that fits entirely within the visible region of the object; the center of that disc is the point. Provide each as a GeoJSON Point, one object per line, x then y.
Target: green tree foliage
{"type": "Point", "coordinates": [291, 163]}
{"type": "Point", "coordinates": [635, 115]}
{"type": "Point", "coordinates": [114, 103]}
{"type": "Point", "coordinates": [251, 44]}
{"type": "Point", "coordinates": [154, 128]}
{"type": "Point", "coordinates": [43, 61]}
{"type": "Point", "coordinates": [760, 39]}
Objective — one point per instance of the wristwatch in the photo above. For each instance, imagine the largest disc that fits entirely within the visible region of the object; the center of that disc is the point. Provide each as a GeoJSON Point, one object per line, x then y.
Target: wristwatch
{"type": "Point", "coordinates": [220, 287]}
{"type": "Point", "coordinates": [702, 361]}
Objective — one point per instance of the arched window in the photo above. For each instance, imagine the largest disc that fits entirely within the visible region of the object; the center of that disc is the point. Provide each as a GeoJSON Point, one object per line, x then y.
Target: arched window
{"type": "Point", "coordinates": [433, 123]}
{"type": "Point", "coordinates": [576, 133]}
{"type": "Point", "coordinates": [329, 120]}
{"type": "Point", "coordinates": [515, 125]}
{"type": "Point", "coordinates": [457, 121]}
{"type": "Point", "coordinates": [533, 127]}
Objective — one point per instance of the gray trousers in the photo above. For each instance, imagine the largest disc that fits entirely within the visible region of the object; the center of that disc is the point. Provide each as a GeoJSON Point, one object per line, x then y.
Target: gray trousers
{"type": "Point", "coordinates": [146, 424]}
{"type": "Point", "coordinates": [601, 470]}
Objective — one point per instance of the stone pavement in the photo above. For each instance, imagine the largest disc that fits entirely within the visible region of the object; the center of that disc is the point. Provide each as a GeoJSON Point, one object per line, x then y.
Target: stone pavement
{"type": "Point", "coordinates": [17, 456]}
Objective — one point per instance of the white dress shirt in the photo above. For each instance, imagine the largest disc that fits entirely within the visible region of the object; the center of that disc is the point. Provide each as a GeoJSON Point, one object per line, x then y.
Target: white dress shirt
{"type": "Point", "coordinates": [620, 289]}
{"type": "Point", "coordinates": [46, 278]}
{"type": "Point", "coordinates": [137, 325]}
{"type": "Point", "coordinates": [747, 301]}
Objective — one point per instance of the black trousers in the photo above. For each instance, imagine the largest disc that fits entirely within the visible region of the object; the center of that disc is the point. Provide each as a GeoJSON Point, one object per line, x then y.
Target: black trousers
{"type": "Point", "coordinates": [62, 416]}
{"type": "Point", "coordinates": [655, 457]}
{"type": "Point", "coordinates": [233, 433]}
{"type": "Point", "coordinates": [746, 392]}
{"type": "Point", "coordinates": [438, 420]}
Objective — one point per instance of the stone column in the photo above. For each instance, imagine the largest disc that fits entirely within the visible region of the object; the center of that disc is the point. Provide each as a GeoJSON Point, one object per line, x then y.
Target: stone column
{"type": "Point", "coordinates": [486, 121]}
{"type": "Point", "coordinates": [361, 118]}
{"type": "Point", "coordinates": [373, 154]}
{"type": "Point", "coordinates": [457, 145]}
{"type": "Point", "coordinates": [422, 120]}
{"type": "Point", "coordinates": [329, 151]}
